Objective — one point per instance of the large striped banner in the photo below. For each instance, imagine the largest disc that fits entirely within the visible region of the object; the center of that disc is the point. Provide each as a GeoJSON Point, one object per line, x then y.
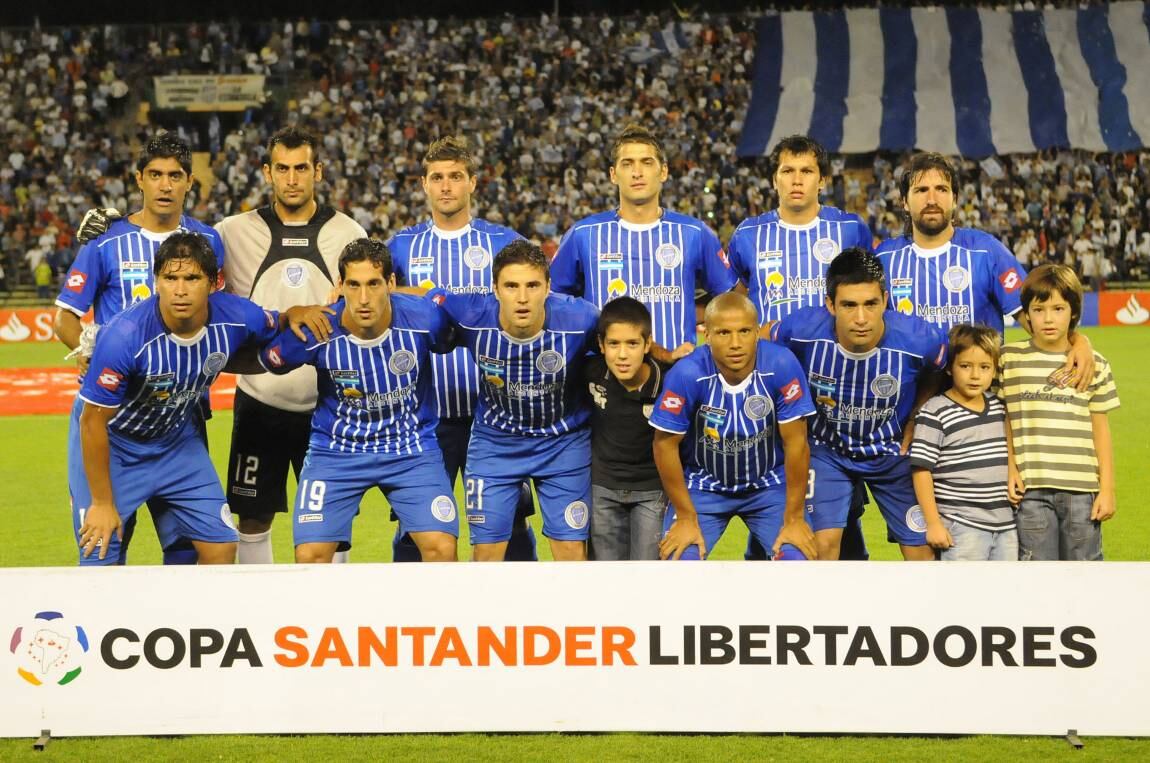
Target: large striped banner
{"type": "Point", "coordinates": [969, 81]}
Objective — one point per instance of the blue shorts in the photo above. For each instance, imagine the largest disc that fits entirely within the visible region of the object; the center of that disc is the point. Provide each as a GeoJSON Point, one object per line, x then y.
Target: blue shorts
{"type": "Point", "coordinates": [761, 511]}
{"type": "Point", "coordinates": [180, 487]}
{"type": "Point", "coordinates": [834, 478]}
{"type": "Point", "coordinates": [332, 485]}
{"type": "Point", "coordinates": [498, 463]}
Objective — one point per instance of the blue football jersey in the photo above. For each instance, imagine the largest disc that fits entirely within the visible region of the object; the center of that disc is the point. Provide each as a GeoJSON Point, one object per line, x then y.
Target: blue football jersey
{"type": "Point", "coordinates": [731, 441]}
{"type": "Point", "coordinates": [972, 279]}
{"type": "Point", "coordinates": [784, 266]}
{"type": "Point", "coordinates": [156, 378]}
{"type": "Point", "coordinates": [863, 400]}
{"type": "Point", "coordinates": [660, 264]}
{"type": "Point", "coordinates": [114, 271]}
{"type": "Point", "coordinates": [459, 262]}
{"type": "Point", "coordinates": [374, 394]}
{"type": "Point", "coordinates": [528, 386]}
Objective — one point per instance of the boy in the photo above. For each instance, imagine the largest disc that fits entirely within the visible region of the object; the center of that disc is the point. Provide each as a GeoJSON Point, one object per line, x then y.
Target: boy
{"type": "Point", "coordinates": [1061, 461]}
{"type": "Point", "coordinates": [959, 460]}
{"type": "Point", "coordinates": [627, 501]}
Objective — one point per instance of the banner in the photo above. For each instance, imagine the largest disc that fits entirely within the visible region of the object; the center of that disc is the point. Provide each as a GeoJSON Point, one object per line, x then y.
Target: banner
{"type": "Point", "coordinates": [33, 324]}
{"type": "Point", "coordinates": [956, 648]}
{"type": "Point", "coordinates": [971, 81]}
{"type": "Point", "coordinates": [1124, 308]}
{"type": "Point", "coordinates": [209, 92]}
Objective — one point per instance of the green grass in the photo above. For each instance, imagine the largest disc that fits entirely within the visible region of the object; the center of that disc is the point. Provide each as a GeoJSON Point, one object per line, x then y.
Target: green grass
{"type": "Point", "coordinates": [35, 528]}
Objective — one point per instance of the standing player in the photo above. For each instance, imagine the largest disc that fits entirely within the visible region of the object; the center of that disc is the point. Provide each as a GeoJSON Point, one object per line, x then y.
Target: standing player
{"type": "Point", "coordinates": [948, 275]}
{"type": "Point", "coordinates": [139, 427]}
{"type": "Point", "coordinates": [733, 413]}
{"type": "Point", "coordinates": [531, 416]}
{"type": "Point", "coordinates": [280, 255]}
{"type": "Point", "coordinates": [865, 365]}
{"type": "Point", "coordinates": [642, 250]}
{"type": "Point", "coordinates": [453, 251]}
{"type": "Point", "coordinates": [782, 257]}
{"type": "Point", "coordinates": [375, 421]}
{"type": "Point", "coordinates": [114, 271]}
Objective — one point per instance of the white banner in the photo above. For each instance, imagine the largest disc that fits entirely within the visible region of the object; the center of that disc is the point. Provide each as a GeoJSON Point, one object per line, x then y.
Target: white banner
{"type": "Point", "coordinates": [209, 92]}
{"type": "Point", "coordinates": [999, 648]}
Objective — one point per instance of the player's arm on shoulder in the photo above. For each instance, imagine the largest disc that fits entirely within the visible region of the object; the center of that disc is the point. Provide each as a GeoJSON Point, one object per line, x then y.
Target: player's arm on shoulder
{"type": "Point", "coordinates": [95, 223]}
{"type": "Point", "coordinates": [315, 318]}
{"type": "Point", "coordinates": [101, 519]}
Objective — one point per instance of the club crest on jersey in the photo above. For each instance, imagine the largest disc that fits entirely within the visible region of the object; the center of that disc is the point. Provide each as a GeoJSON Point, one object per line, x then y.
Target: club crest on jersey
{"type": "Point", "coordinates": [550, 362]}
{"type": "Point", "coordinates": [131, 270]}
{"type": "Point", "coordinates": [476, 257]}
{"type": "Point", "coordinates": [109, 379]}
{"type": "Point", "coordinates": [668, 255]}
{"type": "Point", "coordinates": [884, 385]}
{"type": "Point", "coordinates": [956, 278]}
{"type": "Point", "coordinates": [215, 363]}
{"type": "Point", "coordinates": [671, 402]}
{"type": "Point", "coordinates": [792, 391]}
{"type": "Point", "coordinates": [76, 281]}
{"type": "Point", "coordinates": [295, 275]}
{"type": "Point", "coordinates": [576, 514]}
{"type": "Point", "coordinates": [825, 250]}
{"type": "Point", "coordinates": [401, 362]}
{"type": "Point", "coordinates": [443, 508]}
{"type": "Point", "coordinates": [610, 260]}
{"type": "Point", "coordinates": [757, 407]}
{"type": "Point", "coordinates": [347, 384]}
{"type": "Point", "coordinates": [1010, 281]}
{"type": "Point", "coordinates": [616, 288]}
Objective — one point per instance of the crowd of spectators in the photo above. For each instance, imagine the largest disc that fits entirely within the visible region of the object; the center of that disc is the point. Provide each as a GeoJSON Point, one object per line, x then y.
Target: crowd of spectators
{"type": "Point", "coordinates": [539, 99]}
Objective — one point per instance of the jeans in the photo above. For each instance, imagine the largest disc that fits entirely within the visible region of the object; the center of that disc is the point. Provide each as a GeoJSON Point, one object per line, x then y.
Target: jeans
{"type": "Point", "coordinates": [1056, 524]}
{"type": "Point", "coordinates": [626, 524]}
{"type": "Point", "coordinates": [972, 544]}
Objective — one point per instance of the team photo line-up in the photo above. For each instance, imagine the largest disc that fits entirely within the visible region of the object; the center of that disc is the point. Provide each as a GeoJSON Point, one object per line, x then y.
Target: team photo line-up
{"type": "Point", "coordinates": [458, 349]}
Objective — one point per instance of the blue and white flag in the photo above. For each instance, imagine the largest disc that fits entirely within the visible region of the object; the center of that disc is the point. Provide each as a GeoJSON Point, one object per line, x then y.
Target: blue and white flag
{"type": "Point", "coordinates": [969, 81]}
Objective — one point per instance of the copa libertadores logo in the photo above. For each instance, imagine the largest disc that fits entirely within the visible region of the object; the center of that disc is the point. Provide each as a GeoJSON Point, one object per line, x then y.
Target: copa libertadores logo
{"type": "Point", "coordinates": [49, 650]}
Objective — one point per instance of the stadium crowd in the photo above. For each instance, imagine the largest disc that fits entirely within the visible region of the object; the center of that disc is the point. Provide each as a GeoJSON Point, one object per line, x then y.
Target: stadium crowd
{"type": "Point", "coordinates": [534, 96]}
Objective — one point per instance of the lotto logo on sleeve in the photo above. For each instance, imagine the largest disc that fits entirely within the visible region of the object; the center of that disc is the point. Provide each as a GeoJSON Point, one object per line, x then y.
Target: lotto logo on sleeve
{"type": "Point", "coordinates": [109, 379]}
{"type": "Point", "coordinates": [725, 259]}
{"type": "Point", "coordinates": [76, 281]}
{"type": "Point", "coordinates": [1010, 280]}
{"type": "Point", "coordinates": [792, 391]}
{"type": "Point", "coordinates": [274, 357]}
{"type": "Point", "coordinates": [270, 320]}
{"type": "Point", "coordinates": [671, 402]}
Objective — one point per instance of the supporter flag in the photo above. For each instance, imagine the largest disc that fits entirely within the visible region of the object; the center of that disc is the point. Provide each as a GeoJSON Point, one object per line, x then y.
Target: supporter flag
{"type": "Point", "coordinates": [969, 81]}
{"type": "Point", "coordinates": [671, 39]}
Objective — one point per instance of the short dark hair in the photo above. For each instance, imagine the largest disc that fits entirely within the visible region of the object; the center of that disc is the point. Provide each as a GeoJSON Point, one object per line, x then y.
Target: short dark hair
{"type": "Point", "coordinates": [366, 250]}
{"type": "Point", "coordinates": [966, 335]}
{"type": "Point", "coordinates": [450, 149]}
{"type": "Point", "coordinates": [520, 252]}
{"type": "Point", "coordinates": [924, 162]}
{"type": "Point", "coordinates": [626, 310]}
{"type": "Point", "coordinates": [292, 137]}
{"type": "Point", "coordinates": [182, 245]}
{"type": "Point", "coordinates": [637, 133]}
{"type": "Point", "coordinates": [165, 146]}
{"type": "Point", "coordinates": [853, 266]}
{"type": "Point", "coordinates": [1046, 280]}
{"type": "Point", "coordinates": [799, 145]}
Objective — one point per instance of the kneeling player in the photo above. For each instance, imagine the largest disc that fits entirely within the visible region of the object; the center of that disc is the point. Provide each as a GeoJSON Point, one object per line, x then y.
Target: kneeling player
{"type": "Point", "coordinates": [139, 429]}
{"type": "Point", "coordinates": [733, 414]}
{"type": "Point", "coordinates": [374, 422]}
{"type": "Point", "coordinates": [866, 367]}
{"type": "Point", "coordinates": [531, 417]}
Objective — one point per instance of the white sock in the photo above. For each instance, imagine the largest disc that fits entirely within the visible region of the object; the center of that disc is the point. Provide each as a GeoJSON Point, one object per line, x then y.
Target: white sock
{"type": "Point", "coordinates": [340, 557]}
{"type": "Point", "coordinates": [255, 548]}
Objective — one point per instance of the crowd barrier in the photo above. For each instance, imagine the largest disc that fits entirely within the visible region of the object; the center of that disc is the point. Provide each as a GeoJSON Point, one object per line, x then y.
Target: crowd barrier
{"type": "Point", "coordinates": [958, 648]}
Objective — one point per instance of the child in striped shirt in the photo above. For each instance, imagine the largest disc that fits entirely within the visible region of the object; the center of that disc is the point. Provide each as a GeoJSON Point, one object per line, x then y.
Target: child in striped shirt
{"type": "Point", "coordinates": [1061, 458]}
{"type": "Point", "coordinates": [959, 457]}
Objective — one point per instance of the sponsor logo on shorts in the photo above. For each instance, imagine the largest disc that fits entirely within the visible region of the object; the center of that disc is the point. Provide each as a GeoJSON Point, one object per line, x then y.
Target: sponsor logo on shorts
{"type": "Point", "coordinates": [476, 519]}
{"type": "Point", "coordinates": [109, 379]}
{"type": "Point", "coordinates": [792, 391]}
{"type": "Point", "coordinates": [671, 402]}
{"type": "Point", "coordinates": [401, 362]}
{"type": "Point", "coordinates": [304, 518]}
{"type": "Point", "coordinates": [915, 520]}
{"type": "Point", "coordinates": [884, 385]}
{"type": "Point", "coordinates": [550, 362]}
{"type": "Point", "coordinates": [668, 255]}
{"type": "Point", "coordinates": [576, 515]}
{"type": "Point", "coordinates": [76, 281]}
{"type": "Point", "coordinates": [956, 278]}
{"type": "Point", "coordinates": [246, 492]}
{"type": "Point", "coordinates": [757, 407]}
{"type": "Point", "coordinates": [825, 250]}
{"type": "Point", "coordinates": [226, 516]}
{"type": "Point", "coordinates": [215, 363]}
{"type": "Point", "coordinates": [1010, 281]}
{"type": "Point", "coordinates": [443, 508]}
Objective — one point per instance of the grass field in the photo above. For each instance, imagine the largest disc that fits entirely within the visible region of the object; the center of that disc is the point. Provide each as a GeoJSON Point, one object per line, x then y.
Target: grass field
{"type": "Point", "coordinates": [35, 527]}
